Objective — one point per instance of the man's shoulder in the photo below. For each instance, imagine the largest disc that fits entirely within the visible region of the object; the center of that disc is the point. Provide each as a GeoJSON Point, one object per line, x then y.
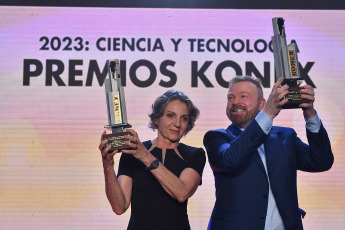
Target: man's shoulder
{"type": "Point", "coordinates": [217, 133]}
{"type": "Point", "coordinates": [217, 130]}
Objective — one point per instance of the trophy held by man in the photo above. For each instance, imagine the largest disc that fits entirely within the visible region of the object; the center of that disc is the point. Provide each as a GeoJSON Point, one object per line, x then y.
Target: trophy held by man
{"type": "Point", "coordinates": [286, 64]}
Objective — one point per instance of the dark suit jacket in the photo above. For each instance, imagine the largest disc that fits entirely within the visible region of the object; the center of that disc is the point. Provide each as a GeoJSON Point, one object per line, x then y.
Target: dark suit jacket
{"type": "Point", "coordinates": [241, 181]}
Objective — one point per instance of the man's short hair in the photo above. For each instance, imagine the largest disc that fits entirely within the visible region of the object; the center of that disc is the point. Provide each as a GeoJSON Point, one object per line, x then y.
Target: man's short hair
{"type": "Point", "coordinates": [251, 79]}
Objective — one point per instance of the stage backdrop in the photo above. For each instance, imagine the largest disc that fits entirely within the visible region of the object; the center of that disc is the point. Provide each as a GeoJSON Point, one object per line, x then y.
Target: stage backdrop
{"type": "Point", "coordinates": [53, 108]}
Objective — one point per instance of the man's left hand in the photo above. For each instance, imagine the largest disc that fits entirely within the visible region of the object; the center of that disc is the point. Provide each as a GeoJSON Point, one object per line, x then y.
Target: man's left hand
{"type": "Point", "coordinates": [308, 108]}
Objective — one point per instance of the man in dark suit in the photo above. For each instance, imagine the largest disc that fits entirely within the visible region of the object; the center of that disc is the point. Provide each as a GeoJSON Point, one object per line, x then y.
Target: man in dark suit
{"type": "Point", "coordinates": [255, 164]}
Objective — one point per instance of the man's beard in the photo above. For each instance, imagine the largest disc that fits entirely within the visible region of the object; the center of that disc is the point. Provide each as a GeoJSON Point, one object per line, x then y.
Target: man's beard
{"type": "Point", "coordinates": [243, 121]}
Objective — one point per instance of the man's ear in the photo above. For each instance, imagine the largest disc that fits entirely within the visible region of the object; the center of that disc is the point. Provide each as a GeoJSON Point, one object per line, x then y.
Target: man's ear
{"type": "Point", "coordinates": [262, 103]}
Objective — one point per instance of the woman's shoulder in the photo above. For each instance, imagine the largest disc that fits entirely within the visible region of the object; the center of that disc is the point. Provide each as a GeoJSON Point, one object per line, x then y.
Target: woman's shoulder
{"type": "Point", "coordinates": [195, 157]}
{"type": "Point", "coordinates": [147, 144]}
{"type": "Point", "coordinates": [190, 150]}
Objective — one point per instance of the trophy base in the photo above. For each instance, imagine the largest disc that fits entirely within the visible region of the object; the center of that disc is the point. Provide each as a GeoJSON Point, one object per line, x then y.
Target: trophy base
{"type": "Point", "coordinates": [117, 141]}
{"type": "Point", "coordinates": [295, 98]}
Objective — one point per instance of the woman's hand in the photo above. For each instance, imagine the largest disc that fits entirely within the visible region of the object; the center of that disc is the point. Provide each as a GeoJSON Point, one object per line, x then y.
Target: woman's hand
{"type": "Point", "coordinates": [180, 188]}
{"type": "Point", "coordinates": [107, 157]}
{"type": "Point", "coordinates": [118, 190]}
{"type": "Point", "coordinates": [138, 150]}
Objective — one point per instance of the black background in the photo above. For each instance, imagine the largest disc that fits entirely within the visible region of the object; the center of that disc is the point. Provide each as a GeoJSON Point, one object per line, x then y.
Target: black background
{"type": "Point", "coordinates": [206, 4]}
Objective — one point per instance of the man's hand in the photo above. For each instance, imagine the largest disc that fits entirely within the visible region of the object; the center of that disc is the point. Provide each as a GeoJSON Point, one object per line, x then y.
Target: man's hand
{"type": "Point", "coordinates": [276, 99]}
{"type": "Point", "coordinates": [308, 108]}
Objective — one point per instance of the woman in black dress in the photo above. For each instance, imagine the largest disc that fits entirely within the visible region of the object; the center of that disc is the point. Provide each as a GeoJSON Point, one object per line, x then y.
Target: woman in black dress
{"type": "Point", "coordinates": [157, 177]}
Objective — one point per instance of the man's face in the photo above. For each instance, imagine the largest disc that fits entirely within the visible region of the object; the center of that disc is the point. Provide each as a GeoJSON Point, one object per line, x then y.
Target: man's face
{"type": "Point", "coordinates": [244, 103]}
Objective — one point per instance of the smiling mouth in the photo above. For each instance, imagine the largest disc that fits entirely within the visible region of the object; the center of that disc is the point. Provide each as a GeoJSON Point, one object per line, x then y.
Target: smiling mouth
{"type": "Point", "coordinates": [238, 110]}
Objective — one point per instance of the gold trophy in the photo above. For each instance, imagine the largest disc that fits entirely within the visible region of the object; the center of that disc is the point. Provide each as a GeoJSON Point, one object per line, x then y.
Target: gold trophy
{"type": "Point", "coordinates": [116, 107]}
{"type": "Point", "coordinates": [286, 64]}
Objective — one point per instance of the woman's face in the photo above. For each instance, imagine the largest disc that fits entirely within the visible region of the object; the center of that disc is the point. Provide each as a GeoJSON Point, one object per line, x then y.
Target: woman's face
{"type": "Point", "coordinates": [173, 124]}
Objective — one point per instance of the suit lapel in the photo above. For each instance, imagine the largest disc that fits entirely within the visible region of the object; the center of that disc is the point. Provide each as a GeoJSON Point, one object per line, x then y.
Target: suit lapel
{"type": "Point", "coordinates": [271, 150]}
{"type": "Point", "coordinates": [258, 160]}
{"type": "Point", "coordinates": [234, 132]}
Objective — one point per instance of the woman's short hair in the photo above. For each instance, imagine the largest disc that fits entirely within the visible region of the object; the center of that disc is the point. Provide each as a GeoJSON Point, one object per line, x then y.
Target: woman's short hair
{"type": "Point", "coordinates": [161, 103]}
